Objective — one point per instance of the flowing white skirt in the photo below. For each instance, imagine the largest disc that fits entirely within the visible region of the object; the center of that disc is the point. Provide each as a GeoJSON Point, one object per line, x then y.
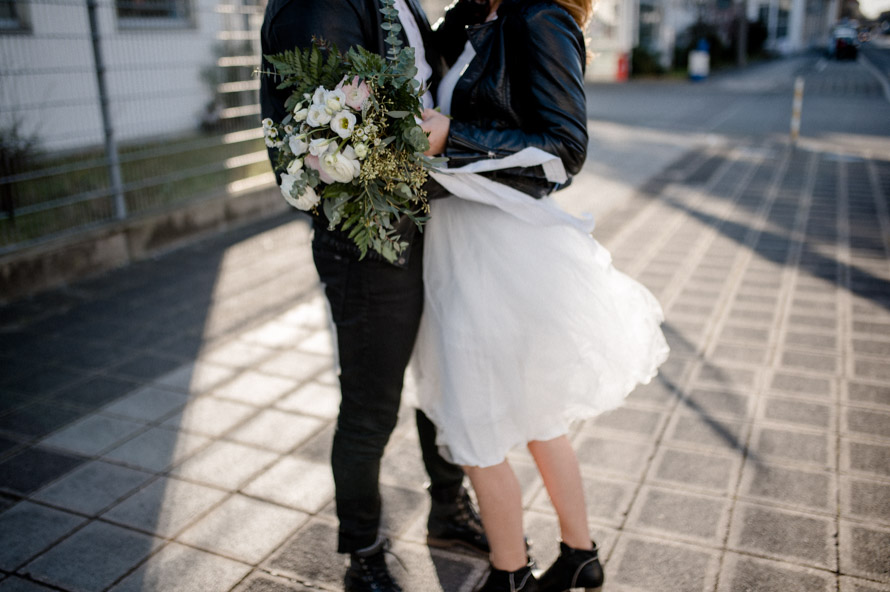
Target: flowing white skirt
{"type": "Point", "coordinates": [527, 327]}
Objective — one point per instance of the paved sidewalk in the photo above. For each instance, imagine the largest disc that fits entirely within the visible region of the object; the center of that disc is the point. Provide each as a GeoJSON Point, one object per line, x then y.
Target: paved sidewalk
{"type": "Point", "coordinates": [167, 426]}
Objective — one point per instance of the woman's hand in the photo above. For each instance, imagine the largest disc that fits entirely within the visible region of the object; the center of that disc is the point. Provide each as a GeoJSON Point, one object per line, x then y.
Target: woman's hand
{"type": "Point", "coordinates": [436, 126]}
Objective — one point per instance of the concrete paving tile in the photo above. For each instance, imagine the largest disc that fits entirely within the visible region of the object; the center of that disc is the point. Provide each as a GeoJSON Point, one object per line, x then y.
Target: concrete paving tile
{"type": "Point", "coordinates": [752, 316]}
{"type": "Point", "coordinates": [38, 419]}
{"type": "Point", "coordinates": [225, 464]}
{"type": "Point", "coordinates": [742, 573]}
{"type": "Point", "coordinates": [816, 341]}
{"type": "Point", "coordinates": [680, 568]}
{"type": "Point", "coordinates": [196, 377]}
{"type": "Point", "coordinates": [809, 362]}
{"type": "Point", "coordinates": [820, 321]}
{"type": "Point", "coordinates": [813, 305]}
{"type": "Point", "coordinates": [319, 343]}
{"type": "Point", "coordinates": [145, 367]}
{"type": "Point", "coordinates": [108, 550]}
{"type": "Point", "coordinates": [727, 376]}
{"type": "Point", "coordinates": [210, 416]}
{"type": "Point", "coordinates": [718, 402]}
{"type": "Point", "coordinates": [148, 404]}
{"type": "Point", "coordinates": [318, 448]}
{"type": "Point", "coordinates": [16, 584]}
{"type": "Point", "coordinates": [706, 432]}
{"type": "Point", "coordinates": [312, 314]}
{"type": "Point", "coordinates": [865, 422]}
{"type": "Point", "coordinates": [655, 394]}
{"type": "Point", "coordinates": [783, 535]}
{"type": "Point", "coordinates": [94, 434]}
{"type": "Point", "coordinates": [807, 490]}
{"type": "Point", "coordinates": [810, 386]}
{"type": "Point", "coordinates": [313, 398]}
{"type": "Point", "coordinates": [865, 457]}
{"type": "Point", "coordinates": [255, 388]}
{"type": "Point", "coordinates": [157, 449]}
{"type": "Point", "coordinates": [34, 467]}
{"type": "Point", "coordinates": [244, 529]}
{"type": "Point", "coordinates": [262, 582]}
{"type": "Point", "coordinates": [870, 328]}
{"type": "Point", "coordinates": [868, 393]}
{"type": "Point", "coordinates": [275, 335]}
{"type": "Point", "coordinates": [865, 499]}
{"type": "Point", "coordinates": [30, 528]}
{"type": "Point", "coordinates": [871, 347]}
{"type": "Point", "coordinates": [180, 568]}
{"type": "Point", "coordinates": [296, 365]}
{"type": "Point", "coordinates": [849, 584]}
{"type": "Point", "coordinates": [864, 551]}
{"type": "Point", "coordinates": [296, 483]}
{"type": "Point", "coordinates": [45, 380]}
{"type": "Point", "coordinates": [165, 507]}
{"type": "Point", "coordinates": [401, 507]}
{"type": "Point", "coordinates": [92, 487]}
{"type": "Point", "coordinates": [677, 467]}
{"type": "Point", "coordinates": [96, 392]}
{"type": "Point", "coordinates": [741, 354]}
{"type": "Point", "coordinates": [277, 430]}
{"type": "Point", "coordinates": [435, 570]}
{"type": "Point", "coordinates": [871, 369]}
{"type": "Point", "coordinates": [795, 411]}
{"type": "Point", "coordinates": [679, 515]}
{"type": "Point", "coordinates": [310, 556]}
{"type": "Point", "coordinates": [237, 354]}
{"type": "Point", "coordinates": [611, 455]}
{"type": "Point", "coordinates": [629, 421]}
{"type": "Point", "coordinates": [816, 448]}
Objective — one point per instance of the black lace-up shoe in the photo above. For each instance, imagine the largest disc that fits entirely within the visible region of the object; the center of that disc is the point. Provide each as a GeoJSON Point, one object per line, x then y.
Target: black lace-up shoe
{"type": "Point", "coordinates": [574, 569]}
{"type": "Point", "coordinates": [368, 571]}
{"type": "Point", "coordinates": [456, 523]}
{"type": "Point", "coordinates": [520, 580]}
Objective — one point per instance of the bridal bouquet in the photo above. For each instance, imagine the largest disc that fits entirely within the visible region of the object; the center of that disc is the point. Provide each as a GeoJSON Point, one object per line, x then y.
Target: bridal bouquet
{"type": "Point", "coordinates": [351, 144]}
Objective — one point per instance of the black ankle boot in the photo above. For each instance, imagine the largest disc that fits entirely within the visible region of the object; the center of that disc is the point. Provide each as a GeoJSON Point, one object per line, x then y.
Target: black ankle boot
{"type": "Point", "coordinates": [520, 580]}
{"type": "Point", "coordinates": [455, 522]}
{"type": "Point", "coordinates": [368, 571]}
{"type": "Point", "coordinates": [575, 568]}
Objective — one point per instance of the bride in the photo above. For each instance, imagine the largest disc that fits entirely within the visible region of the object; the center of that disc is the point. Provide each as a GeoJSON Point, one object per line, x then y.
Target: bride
{"type": "Point", "coordinates": [527, 327]}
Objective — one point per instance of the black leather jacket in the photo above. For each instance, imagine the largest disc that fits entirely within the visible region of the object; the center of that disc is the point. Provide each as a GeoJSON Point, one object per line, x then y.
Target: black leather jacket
{"type": "Point", "coordinates": [525, 87]}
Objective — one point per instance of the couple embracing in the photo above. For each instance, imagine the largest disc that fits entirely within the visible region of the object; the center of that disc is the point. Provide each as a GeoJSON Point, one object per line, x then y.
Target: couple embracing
{"type": "Point", "coordinates": [517, 322]}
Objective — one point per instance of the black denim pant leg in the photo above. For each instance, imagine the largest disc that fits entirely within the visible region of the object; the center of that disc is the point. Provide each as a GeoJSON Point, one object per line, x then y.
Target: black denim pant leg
{"type": "Point", "coordinates": [376, 308]}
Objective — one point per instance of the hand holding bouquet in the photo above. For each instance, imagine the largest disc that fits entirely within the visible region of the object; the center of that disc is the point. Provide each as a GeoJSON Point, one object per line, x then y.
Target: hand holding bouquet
{"type": "Point", "coordinates": [350, 143]}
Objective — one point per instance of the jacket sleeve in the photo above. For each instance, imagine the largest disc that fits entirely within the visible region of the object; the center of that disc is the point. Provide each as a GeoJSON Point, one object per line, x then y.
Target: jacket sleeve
{"type": "Point", "coordinates": [451, 30]}
{"type": "Point", "coordinates": [555, 66]}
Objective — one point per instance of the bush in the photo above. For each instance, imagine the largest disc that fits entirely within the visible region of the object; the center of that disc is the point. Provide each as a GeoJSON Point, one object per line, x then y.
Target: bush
{"type": "Point", "coordinates": [645, 63]}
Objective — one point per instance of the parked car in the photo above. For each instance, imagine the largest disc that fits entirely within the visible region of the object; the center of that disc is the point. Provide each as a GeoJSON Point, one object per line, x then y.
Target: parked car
{"type": "Point", "coordinates": [843, 43]}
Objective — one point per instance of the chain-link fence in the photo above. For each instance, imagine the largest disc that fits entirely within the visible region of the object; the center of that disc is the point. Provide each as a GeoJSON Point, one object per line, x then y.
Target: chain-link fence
{"type": "Point", "coordinates": [112, 108]}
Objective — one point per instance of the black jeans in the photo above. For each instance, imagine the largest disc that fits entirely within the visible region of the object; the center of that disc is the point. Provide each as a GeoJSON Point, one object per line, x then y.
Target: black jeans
{"type": "Point", "coordinates": [376, 308]}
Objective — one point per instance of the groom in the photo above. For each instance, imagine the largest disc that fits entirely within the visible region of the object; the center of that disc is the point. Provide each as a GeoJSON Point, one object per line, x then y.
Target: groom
{"type": "Point", "coordinates": [376, 308]}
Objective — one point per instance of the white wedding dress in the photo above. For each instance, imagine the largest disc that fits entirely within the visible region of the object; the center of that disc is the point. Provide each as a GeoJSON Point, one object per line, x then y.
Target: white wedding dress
{"type": "Point", "coordinates": [527, 327]}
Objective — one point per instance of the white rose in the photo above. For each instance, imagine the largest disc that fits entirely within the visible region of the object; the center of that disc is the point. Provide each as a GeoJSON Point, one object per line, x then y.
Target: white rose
{"type": "Point", "coordinates": [320, 146]}
{"type": "Point", "coordinates": [301, 114]}
{"type": "Point", "coordinates": [318, 97]}
{"type": "Point", "coordinates": [339, 167]}
{"type": "Point", "coordinates": [305, 201]}
{"type": "Point", "coordinates": [294, 167]}
{"type": "Point", "coordinates": [318, 116]}
{"type": "Point", "coordinates": [361, 150]}
{"type": "Point", "coordinates": [335, 100]}
{"type": "Point", "coordinates": [298, 145]}
{"type": "Point", "coordinates": [343, 123]}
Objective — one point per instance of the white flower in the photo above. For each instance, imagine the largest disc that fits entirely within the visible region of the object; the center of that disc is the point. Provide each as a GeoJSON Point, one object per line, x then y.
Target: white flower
{"type": "Point", "coordinates": [274, 143]}
{"type": "Point", "coordinates": [342, 167]}
{"type": "Point", "coordinates": [320, 146]}
{"type": "Point", "coordinates": [361, 150]}
{"type": "Point", "coordinates": [343, 123]}
{"type": "Point", "coordinates": [305, 201]}
{"type": "Point", "coordinates": [318, 116]}
{"type": "Point", "coordinates": [298, 145]}
{"type": "Point", "coordinates": [335, 100]}
{"type": "Point", "coordinates": [318, 97]}
{"type": "Point", "coordinates": [267, 123]}
{"type": "Point", "coordinates": [300, 115]}
{"type": "Point", "coordinates": [356, 93]}
{"type": "Point", "coordinates": [294, 167]}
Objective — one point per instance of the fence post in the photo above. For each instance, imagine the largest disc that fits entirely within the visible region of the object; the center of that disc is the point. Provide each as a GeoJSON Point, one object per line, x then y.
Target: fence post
{"type": "Point", "coordinates": [114, 165]}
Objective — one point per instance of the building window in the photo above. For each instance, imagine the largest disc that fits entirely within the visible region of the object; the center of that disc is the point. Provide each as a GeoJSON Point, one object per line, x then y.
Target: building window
{"type": "Point", "coordinates": [10, 16]}
{"type": "Point", "coordinates": [137, 13]}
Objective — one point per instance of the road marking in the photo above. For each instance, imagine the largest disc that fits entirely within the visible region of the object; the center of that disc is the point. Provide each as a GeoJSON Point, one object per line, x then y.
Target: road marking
{"type": "Point", "coordinates": [868, 65]}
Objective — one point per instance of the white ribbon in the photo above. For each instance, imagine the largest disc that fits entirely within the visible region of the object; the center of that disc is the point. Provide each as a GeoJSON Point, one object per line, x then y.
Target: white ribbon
{"type": "Point", "coordinates": [465, 182]}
